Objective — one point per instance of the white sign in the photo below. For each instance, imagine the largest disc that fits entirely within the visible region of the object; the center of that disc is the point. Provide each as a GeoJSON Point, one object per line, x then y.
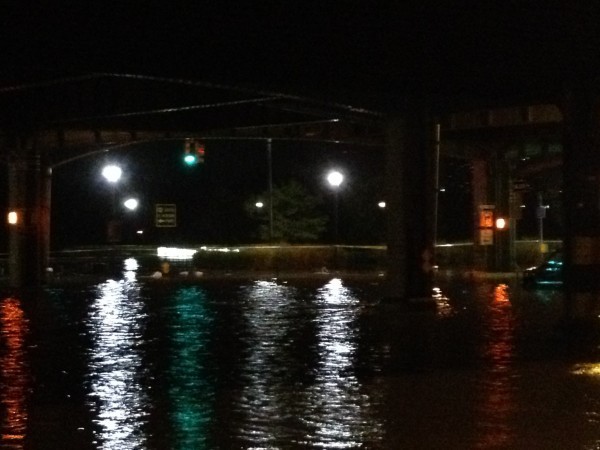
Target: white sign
{"type": "Point", "coordinates": [486, 236]}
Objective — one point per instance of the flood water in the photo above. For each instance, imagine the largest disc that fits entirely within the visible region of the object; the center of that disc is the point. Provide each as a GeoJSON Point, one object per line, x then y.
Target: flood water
{"type": "Point", "coordinates": [298, 363]}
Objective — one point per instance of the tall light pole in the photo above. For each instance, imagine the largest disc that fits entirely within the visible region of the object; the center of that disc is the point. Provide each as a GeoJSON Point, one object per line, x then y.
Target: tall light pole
{"type": "Point", "coordinates": [270, 168]}
{"type": "Point", "coordinates": [335, 179]}
{"type": "Point", "coordinates": [112, 173]}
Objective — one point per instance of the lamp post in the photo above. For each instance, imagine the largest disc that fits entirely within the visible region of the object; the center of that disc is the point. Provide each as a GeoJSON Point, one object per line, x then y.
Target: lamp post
{"type": "Point", "coordinates": [112, 173]}
{"type": "Point", "coordinates": [335, 179]}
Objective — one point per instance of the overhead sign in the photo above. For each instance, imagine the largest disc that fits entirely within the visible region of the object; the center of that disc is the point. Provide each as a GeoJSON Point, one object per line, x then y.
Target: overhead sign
{"type": "Point", "coordinates": [165, 215]}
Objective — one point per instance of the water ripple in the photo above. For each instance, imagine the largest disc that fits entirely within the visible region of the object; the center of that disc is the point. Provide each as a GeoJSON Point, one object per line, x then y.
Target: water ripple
{"type": "Point", "coordinates": [116, 395]}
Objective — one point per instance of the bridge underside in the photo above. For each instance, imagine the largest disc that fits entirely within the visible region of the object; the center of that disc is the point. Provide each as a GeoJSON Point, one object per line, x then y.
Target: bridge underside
{"type": "Point", "coordinates": [48, 124]}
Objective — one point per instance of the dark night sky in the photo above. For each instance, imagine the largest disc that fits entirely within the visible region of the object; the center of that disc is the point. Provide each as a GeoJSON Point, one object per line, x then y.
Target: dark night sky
{"type": "Point", "coordinates": [370, 51]}
{"type": "Point", "coordinates": [364, 53]}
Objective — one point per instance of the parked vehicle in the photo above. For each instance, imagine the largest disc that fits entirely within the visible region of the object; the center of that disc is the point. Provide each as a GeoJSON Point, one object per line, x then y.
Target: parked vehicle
{"type": "Point", "coordinates": [549, 274]}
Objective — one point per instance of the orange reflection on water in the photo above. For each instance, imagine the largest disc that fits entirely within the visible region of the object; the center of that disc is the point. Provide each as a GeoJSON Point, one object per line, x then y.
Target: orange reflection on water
{"type": "Point", "coordinates": [501, 293]}
{"type": "Point", "coordinates": [497, 383]}
{"type": "Point", "coordinates": [14, 374]}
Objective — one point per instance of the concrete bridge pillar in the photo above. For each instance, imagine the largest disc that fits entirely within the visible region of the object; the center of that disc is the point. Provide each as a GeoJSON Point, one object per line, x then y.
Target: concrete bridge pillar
{"type": "Point", "coordinates": [28, 196]}
{"type": "Point", "coordinates": [581, 166]}
{"type": "Point", "coordinates": [502, 237]}
{"type": "Point", "coordinates": [491, 185]}
{"type": "Point", "coordinates": [479, 185]}
{"type": "Point", "coordinates": [409, 207]}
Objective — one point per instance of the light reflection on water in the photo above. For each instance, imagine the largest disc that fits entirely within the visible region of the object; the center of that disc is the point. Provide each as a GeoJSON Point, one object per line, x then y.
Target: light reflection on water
{"type": "Point", "coordinates": [328, 410]}
{"type": "Point", "coordinates": [275, 364]}
{"type": "Point", "coordinates": [14, 373]}
{"type": "Point", "coordinates": [498, 382]}
{"type": "Point", "coordinates": [191, 387]}
{"type": "Point", "coordinates": [117, 396]}
{"type": "Point", "coordinates": [267, 307]}
{"type": "Point", "coordinates": [336, 406]}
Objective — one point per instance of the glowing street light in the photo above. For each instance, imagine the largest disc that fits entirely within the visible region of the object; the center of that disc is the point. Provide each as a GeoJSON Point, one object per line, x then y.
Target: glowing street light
{"type": "Point", "coordinates": [131, 204]}
{"type": "Point", "coordinates": [259, 204]}
{"type": "Point", "coordinates": [381, 205]}
{"type": "Point", "coordinates": [335, 179]}
{"type": "Point", "coordinates": [501, 223]}
{"type": "Point", "coordinates": [112, 173]}
{"type": "Point", "coordinates": [13, 218]}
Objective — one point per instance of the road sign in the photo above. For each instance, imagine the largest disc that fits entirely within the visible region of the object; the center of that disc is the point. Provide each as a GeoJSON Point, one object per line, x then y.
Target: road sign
{"type": "Point", "coordinates": [486, 236]}
{"type": "Point", "coordinates": [486, 216]}
{"type": "Point", "coordinates": [165, 215]}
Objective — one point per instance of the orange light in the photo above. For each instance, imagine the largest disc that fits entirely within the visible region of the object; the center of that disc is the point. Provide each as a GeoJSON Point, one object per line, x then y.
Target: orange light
{"type": "Point", "coordinates": [13, 218]}
{"type": "Point", "coordinates": [486, 218]}
{"type": "Point", "coordinates": [500, 223]}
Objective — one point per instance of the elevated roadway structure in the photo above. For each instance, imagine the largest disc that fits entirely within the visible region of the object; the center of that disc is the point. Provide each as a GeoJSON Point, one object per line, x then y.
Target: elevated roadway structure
{"type": "Point", "coordinates": [46, 124]}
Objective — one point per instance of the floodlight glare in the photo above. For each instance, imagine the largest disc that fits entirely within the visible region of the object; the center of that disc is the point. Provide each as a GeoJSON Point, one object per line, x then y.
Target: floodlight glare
{"type": "Point", "coordinates": [112, 173]}
{"type": "Point", "coordinates": [131, 204]}
{"type": "Point", "coordinates": [335, 178]}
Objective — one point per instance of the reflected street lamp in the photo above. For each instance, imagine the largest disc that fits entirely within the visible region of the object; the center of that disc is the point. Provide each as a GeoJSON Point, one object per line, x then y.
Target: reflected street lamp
{"type": "Point", "coordinates": [335, 178]}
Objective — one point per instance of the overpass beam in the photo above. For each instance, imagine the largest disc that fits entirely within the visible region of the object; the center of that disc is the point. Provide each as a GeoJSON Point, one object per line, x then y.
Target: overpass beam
{"type": "Point", "coordinates": [409, 207]}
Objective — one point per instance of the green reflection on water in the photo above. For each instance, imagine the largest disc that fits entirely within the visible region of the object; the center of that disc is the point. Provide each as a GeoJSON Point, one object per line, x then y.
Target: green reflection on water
{"type": "Point", "coordinates": [191, 390]}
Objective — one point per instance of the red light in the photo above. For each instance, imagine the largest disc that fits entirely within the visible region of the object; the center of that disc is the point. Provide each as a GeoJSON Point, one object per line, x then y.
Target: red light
{"type": "Point", "coordinates": [200, 151]}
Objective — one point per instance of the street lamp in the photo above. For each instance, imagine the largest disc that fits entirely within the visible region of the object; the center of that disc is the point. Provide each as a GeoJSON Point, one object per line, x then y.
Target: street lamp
{"type": "Point", "coordinates": [335, 179]}
{"type": "Point", "coordinates": [131, 204]}
{"type": "Point", "coordinates": [112, 173]}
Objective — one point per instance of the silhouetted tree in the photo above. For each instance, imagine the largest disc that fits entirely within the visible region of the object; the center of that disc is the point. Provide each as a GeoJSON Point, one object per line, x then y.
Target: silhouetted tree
{"type": "Point", "coordinates": [296, 214]}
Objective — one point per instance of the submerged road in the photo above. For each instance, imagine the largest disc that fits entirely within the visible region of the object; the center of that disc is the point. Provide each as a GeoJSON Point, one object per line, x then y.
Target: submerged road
{"type": "Point", "coordinates": [314, 362]}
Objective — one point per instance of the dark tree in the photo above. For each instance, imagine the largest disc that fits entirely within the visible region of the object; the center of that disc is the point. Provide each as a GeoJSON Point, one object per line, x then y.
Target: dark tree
{"type": "Point", "coordinates": [296, 214]}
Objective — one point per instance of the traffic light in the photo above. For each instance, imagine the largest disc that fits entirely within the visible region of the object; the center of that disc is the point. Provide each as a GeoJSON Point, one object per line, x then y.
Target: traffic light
{"type": "Point", "coordinates": [193, 152]}
{"type": "Point", "coordinates": [199, 149]}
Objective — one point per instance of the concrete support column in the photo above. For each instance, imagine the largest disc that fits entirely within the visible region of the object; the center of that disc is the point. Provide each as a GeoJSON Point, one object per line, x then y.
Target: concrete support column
{"type": "Point", "coordinates": [45, 211]}
{"type": "Point", "coordinates": [502, 238]}
{"type": "Point", "coordinates": [581, 167]}
{"type": "Point", "coordinates": [28, 240]}
{"type": "Point", "coordinates": [490, 181]}
{"type": "Point", "coordinates": [17, 185]}
{"type": "Point", "coordinates": [409, 207]}
{"type": "Point", "coordinates": [479, 186]}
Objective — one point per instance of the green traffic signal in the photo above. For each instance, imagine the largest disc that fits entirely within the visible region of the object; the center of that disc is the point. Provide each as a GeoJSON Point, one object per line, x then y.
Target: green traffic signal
{"type": "Point", "coordinates": [193, 153]}
{"type": "Point", "coordinates": [190, 159]}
